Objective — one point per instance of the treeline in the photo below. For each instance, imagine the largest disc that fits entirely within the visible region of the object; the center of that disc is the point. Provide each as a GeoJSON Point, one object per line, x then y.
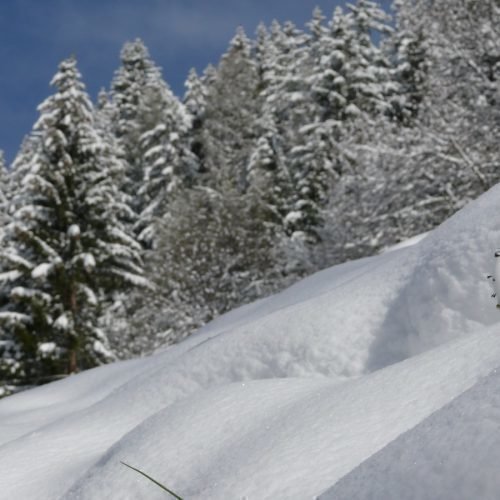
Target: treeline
{"type": "Point", "coordinates": [127, 224]}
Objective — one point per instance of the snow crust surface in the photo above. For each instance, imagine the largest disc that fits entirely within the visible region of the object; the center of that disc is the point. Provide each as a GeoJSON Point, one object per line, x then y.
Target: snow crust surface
{"type": "Point", "coordinates": [281, 398]}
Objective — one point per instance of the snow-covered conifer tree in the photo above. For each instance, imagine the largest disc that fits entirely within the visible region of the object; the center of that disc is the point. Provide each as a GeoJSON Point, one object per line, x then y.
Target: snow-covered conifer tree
{"type": "Point", "coordinates": [349, 85]}
{"type": "Point", "coordinates": [151, 127]}
{"type": "Point", "coordinates": [269, 177]}
{"type": "Point", "coordinates": [370, 81]}
{"type": "Point", "coordinates": [268, 173]}
{"type": "Point", "coordinates": [168, 161]}
{"type": "Point", "coordinates": [286, 109]}
{"type": "Point", "coordinates": [66, 250]}
{"type": "Point", "coordinates": [232, 107]}
{"type": "Point", "coordinates": [195, 102]}
{"type": "Point", "coordinates": [131, 117]}
{"type": "Point", "coordinates": [4, 190]}
{"type": "Point", "coordinates": [409, 47]}
{"type": "Point", "coordinates": [195, 97]}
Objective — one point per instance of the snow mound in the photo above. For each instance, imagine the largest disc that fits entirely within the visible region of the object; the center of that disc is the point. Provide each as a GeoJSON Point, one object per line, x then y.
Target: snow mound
{"type": "Point", "coordinates": [453, 454]}
{"type": "Point", "coordinates": [447, 294]}
{"type": "Point", "coordinates": [288, 438]}
{"type": "Point", "coordinates": [277, 399]}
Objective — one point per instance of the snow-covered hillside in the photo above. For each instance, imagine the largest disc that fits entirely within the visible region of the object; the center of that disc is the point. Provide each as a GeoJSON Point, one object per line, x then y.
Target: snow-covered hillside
{"type": "Point", "coordinates": [453, 454]}
{"type": "Point", "coordinates": [286, 397]}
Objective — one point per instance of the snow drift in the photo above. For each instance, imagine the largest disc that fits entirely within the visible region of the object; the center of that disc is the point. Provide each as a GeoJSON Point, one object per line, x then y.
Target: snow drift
{"type": "Point", "coordinates": [453, 454]}
{"type": "Point", "coordinates": [281, 398]}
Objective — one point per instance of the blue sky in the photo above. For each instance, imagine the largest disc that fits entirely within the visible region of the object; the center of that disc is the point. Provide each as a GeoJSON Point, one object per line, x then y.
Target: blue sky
{"type": "Point", "coordinates": [35, 35]}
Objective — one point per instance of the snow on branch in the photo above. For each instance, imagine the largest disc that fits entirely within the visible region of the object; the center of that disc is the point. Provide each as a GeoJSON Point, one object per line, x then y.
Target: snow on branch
{"type": "Point", "coordinates": [133, 279]}
{"type": "Point", "coordinates": [10, 318]}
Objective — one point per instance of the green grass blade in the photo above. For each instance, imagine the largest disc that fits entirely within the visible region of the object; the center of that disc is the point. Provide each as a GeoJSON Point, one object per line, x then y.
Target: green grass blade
{"type": "Point", "coordinates": [153, 480]}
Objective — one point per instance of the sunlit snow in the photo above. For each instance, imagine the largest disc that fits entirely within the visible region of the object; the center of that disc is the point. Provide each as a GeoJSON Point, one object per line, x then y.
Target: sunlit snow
{"type": "Point", "coordinates": [376, 376]}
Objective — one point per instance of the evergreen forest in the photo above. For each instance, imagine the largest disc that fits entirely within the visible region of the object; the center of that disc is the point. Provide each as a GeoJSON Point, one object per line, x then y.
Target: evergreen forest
{"type": "Point", "coordinates": [129, 222]}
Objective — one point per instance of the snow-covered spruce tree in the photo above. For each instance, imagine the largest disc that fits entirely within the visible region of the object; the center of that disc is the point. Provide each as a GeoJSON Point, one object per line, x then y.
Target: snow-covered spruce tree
{"type": "Point", "coordinates": [104, 114]}
{"type": "Point", "coordinates": [286, 164]}
{"type": "Point", "coordinates": [319, 156]}
{"type": "Point", "coordinates": [168, 161]}
{"type": "Point", "coordinates": [195, 102]}
{"type": "Point", "coordinates": [268, 175]}
{"type": "Point", "coordinates": [66, 251]}
{"type": "Point", "coordinates": [232, 106]}
{"type": "Point", "coordinates": [370, 81]}
{"type": "Point", "coordinates": [371, 203]}
{"type": "Point", "coordinates": [151, 126]}
{"type": "Point", "coordinates": [195, 97]}
{"type": "Point", "coordinates": [137, 76]}
{"type": "Point", "coordinates": [409, 47]}
{"type": "Point", "coordinates": [18, 170]}
{"type": "Point", "coordinates": [168, 165]}
{"type": "Point", "coordinates": [319, 83]}
{"type": "Point", "coordinates": [351, 90]}
{"type": "Point", "coordinates": [9, 349]}
{"type": "Point", "coordinates": [4, 190]}
{"type": "Point", "coordinates": [286, 73]}
{"type": "Point", "coordinates": [11, 362]}
{"type": "Point", "coordinates": [286, 109]}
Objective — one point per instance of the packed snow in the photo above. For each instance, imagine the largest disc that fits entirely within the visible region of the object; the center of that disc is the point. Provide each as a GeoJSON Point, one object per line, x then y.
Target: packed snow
{"type": "Point", "coordinates": [289, 397]}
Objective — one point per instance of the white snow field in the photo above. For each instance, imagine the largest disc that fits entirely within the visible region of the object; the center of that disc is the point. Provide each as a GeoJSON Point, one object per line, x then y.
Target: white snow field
{"type": "Point", "coordinates": [391, 357]}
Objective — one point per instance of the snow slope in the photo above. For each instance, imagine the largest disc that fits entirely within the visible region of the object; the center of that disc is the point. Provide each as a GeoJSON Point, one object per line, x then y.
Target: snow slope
{"type": "Point", "coordinates": [453, 454]}
{"type": "Point", "coordinates": [285, 439]}
{"type": "Point", "coordinates": [280, 398]}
